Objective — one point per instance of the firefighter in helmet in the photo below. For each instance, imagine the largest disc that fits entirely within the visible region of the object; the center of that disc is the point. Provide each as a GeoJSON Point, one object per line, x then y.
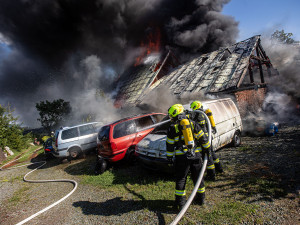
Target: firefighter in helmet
{"type": "Point", "coordinates": [180, 142]}
{"type": "Point", "coordinates": [214, 163]}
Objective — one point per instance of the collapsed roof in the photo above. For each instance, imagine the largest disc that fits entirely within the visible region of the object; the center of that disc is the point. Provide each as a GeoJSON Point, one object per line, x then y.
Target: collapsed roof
{"type": "Point", "coordinates": [226, 70]}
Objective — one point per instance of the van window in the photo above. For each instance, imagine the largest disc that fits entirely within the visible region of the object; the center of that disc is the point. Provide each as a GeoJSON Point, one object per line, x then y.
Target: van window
{"type": "Point", "coordinates": [143, 122]}
{"type": "Point", "coordinates": [103, 134]}
{"type": "Point", "coordinates": [70, 133]}
{"type": "Point", "coordinates": [124, 128]}
{"type": "Point", "coordinates": [86, 129]}
{"type": "Point", "coordinates": [158, 117]}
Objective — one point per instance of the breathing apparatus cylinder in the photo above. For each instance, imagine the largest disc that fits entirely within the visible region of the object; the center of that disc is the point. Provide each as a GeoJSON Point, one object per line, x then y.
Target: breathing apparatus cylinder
{"type": "Point", "coordinates": [209, 114]}
{"type": "Point", "coordinates": [187, 133]}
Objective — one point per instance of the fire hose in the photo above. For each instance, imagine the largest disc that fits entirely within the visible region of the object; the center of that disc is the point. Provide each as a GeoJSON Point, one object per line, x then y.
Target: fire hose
{"type": "Point", "coordinates": [190, 199]}
{"type": "Point", "coordinates": [42, 181]}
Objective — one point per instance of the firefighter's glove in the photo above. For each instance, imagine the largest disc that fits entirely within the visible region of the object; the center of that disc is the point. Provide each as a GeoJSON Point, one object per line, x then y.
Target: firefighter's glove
{"type": "Point", "coordinates": [214, 130]}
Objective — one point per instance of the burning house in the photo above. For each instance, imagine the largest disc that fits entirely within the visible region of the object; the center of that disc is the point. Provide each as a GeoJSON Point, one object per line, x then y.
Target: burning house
{"type": "Point", "coordinates": [241, 70]}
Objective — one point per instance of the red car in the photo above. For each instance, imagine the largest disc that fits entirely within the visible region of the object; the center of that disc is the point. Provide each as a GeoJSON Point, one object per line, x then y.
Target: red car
{"type": "Point", "coordinates": [117, 140]}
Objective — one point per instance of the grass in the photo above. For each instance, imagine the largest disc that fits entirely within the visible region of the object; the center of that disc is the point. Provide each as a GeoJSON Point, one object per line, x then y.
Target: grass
{"type": "Point", "coordinates": [155, 192]}
{"type": "Point", "coordinates": [27, 154]}
{"type": "Point", "coordinates": [19, 196]}
{"type": "Point", "coordinates": [266, 187]}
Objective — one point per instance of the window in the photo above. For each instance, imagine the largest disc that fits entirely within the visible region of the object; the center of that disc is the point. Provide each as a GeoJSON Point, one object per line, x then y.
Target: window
{"type": "Point", "coordinates": [124, 128]}
{"type": "Point", "coordinates": [143, 122]}
{"type": "Point", "coordinates": [103, 134]}
{"type": "Point", "coordinates": [158, 117]}
{"type": "Point", "coordinates": [162, 129]}
{"type": "Point", "coordinates": [87, 129]}
{"type": "Point", "coordinates": [70, 133]}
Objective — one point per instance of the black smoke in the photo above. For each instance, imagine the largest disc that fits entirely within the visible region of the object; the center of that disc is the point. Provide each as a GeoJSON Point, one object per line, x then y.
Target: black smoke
{"type": "Point", "coordinates": [66, 49]}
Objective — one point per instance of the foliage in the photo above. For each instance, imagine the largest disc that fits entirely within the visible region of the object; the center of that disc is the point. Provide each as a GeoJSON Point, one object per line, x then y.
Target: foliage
{"type": "Point", "coordinates": [283, 37]}
{"type": "Point", "coordinates": [53, 113]}
{"type": "Point", "coordinates": [11, 134]}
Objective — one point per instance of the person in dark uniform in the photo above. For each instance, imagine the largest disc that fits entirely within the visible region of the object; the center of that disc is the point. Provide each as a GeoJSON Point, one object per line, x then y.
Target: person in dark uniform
{"type": "Point", "coordinates": [187, 155]}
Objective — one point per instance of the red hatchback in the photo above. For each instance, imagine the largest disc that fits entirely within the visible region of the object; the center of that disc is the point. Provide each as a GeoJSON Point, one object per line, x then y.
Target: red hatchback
{"type": "Point", "coordinates": [117, 140]}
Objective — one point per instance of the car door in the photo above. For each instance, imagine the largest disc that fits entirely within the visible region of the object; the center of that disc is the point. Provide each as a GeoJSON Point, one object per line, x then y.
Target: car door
{"type": "Point", "coordinates": [123, 135]}
{"type": "Point", "coordinates": [87, 138]}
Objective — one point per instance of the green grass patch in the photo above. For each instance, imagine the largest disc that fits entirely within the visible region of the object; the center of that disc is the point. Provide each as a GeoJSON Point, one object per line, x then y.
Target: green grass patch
{"type": "Point", "coordinates": [244, 148]}
{"type": "Point", "coordinates": [224, 212]}
{"type": "Point", "coordinates": [267, 187]}
{"type": "Point", "coordinates": [19, 196]}
{"type": "Point", "coordinates": [11, 179]}
{"type": "Point", "coordinates": [27, 153]}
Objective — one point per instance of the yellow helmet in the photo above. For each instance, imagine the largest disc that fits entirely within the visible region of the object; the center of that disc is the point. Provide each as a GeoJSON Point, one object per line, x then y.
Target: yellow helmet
{"type": "Point", "coordinates": [196, 105]}
{"type": "Point", "coordinates": [175, 110]}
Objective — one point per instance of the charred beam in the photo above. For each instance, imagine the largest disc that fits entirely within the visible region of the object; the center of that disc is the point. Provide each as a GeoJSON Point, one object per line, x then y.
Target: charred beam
{"type": "Point", "coordinates": [251, 74]}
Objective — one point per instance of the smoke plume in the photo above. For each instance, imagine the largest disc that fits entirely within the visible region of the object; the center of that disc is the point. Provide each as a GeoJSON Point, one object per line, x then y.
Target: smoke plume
{"type": "Point", "coordinates": [75, 49]}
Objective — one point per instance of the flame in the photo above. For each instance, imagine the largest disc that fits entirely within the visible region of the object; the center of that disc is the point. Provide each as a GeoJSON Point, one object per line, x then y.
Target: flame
{"type": "Point", "coordinates": [153, 45]}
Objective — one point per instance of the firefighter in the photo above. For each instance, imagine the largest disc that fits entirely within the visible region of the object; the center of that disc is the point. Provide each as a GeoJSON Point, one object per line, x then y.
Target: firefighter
{"type": "Point", "coordinates": [187, 154]}
{"type": "Point", "coordinates": [214, 163]}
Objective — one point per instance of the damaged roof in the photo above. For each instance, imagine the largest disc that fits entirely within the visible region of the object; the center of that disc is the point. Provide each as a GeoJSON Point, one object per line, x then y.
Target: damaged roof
{"type": "Point", "coordinates": [215, 72]}
{"type": "Point", "coordinates": [136, 80]}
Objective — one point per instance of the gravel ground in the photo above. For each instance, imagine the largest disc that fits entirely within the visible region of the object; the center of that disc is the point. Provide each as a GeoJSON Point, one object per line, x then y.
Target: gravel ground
{"type": "Point", "coordinates": [275, 158]}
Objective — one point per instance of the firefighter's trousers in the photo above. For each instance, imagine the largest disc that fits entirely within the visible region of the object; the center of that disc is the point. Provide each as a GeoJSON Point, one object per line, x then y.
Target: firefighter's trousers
{"type": "Point", "coordinates": [182, 166]}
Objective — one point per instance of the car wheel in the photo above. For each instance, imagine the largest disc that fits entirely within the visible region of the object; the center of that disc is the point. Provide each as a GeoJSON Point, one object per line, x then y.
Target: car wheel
{"type": "Point", "coordinates": [236, 141]}
{"type": "Point", "coordinates": [101, 166]}
{"type": "Point", "coordinates": [74, 153]}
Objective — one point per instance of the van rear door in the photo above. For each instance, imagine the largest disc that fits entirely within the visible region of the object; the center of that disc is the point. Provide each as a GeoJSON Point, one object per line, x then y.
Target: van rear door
{"type": "Point", "coordinates": [217, 114]}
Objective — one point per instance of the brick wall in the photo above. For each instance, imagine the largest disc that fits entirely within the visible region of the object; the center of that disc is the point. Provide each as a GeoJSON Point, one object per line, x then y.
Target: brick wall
{"type": "Point", "coordinates": [250, 100]}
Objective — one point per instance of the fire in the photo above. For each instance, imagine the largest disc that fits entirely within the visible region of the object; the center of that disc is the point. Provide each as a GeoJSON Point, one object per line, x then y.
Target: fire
{"type": "Point", "coordinates": [151, 46]}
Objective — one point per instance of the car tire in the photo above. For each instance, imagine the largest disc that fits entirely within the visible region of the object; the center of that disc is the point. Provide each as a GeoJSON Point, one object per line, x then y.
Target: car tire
{"type": "Point", "coordinates": [74, 153]}
{"type": "Point", "coordinates": [101, 166]}
{"type": "Point", "coordinates": [236, 140]}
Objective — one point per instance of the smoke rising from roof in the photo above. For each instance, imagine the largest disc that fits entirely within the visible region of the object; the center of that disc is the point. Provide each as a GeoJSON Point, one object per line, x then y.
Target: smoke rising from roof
{"type": "Point", "coordinates": [69, 49]}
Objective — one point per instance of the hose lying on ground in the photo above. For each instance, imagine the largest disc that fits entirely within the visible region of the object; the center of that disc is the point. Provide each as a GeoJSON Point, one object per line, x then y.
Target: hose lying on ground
{"type": "Point", "coordinates": [42, 181]}
{"type": "Point", "coordinates": [190, 199]}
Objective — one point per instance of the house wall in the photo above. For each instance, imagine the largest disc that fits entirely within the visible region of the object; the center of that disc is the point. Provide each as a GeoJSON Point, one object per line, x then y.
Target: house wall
{"type": "Point", "coordinates": [250, 100]}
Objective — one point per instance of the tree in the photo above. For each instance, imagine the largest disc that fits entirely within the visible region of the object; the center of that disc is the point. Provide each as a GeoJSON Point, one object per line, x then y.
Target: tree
{"type": "Point", "coordinates": [52, 114]}
{"type": "Point", "coordinates": [11, 134]}
{"type": "Point", "coordinates": [283, 37]}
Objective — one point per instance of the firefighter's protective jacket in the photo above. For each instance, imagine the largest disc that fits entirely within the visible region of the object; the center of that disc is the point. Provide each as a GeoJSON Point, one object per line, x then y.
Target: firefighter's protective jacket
{"type": "Point", "coordinates": [175, 140]}
{"type": "Point", "coordinates": [199, 118]}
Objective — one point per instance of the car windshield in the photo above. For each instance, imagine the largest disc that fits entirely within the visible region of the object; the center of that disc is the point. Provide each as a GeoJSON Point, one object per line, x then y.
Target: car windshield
{"type": "Point", "coordinates": [162, 129]}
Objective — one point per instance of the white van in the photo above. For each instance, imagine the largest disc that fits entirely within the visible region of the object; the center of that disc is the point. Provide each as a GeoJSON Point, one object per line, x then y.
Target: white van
{"type": "Point", "coordinates": [72, 141]}
{"type": "Point", "coordinates": [151, 151]}
{"type": "Point", "coordinates": [228, 122]}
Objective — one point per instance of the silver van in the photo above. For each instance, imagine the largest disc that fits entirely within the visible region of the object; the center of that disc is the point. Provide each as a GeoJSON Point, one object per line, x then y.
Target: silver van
{"type": "Point", "coordinates": [72, 141]}
{"type": "Point", "coordinates": [151, 151]}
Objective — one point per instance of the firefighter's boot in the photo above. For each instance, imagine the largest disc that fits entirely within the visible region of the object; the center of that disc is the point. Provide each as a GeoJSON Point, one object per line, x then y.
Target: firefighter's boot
{"type": "Point", "coordinates": [200, 198]}
{"type": "Point", "coordinates": [211, 175]}
{"type": "Point", "coordinates": [219, 167]}
{"type": "Point", "coordinates": [179, 202]}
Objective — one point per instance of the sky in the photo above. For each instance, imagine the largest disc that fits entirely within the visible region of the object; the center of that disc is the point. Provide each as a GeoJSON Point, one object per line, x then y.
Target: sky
{"type": "Point", "coordinates": [265, 16]}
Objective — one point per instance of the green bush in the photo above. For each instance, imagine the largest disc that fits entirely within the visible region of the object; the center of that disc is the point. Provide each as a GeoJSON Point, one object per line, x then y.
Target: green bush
{"type": "Point", "coordinates": [11, 134]}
